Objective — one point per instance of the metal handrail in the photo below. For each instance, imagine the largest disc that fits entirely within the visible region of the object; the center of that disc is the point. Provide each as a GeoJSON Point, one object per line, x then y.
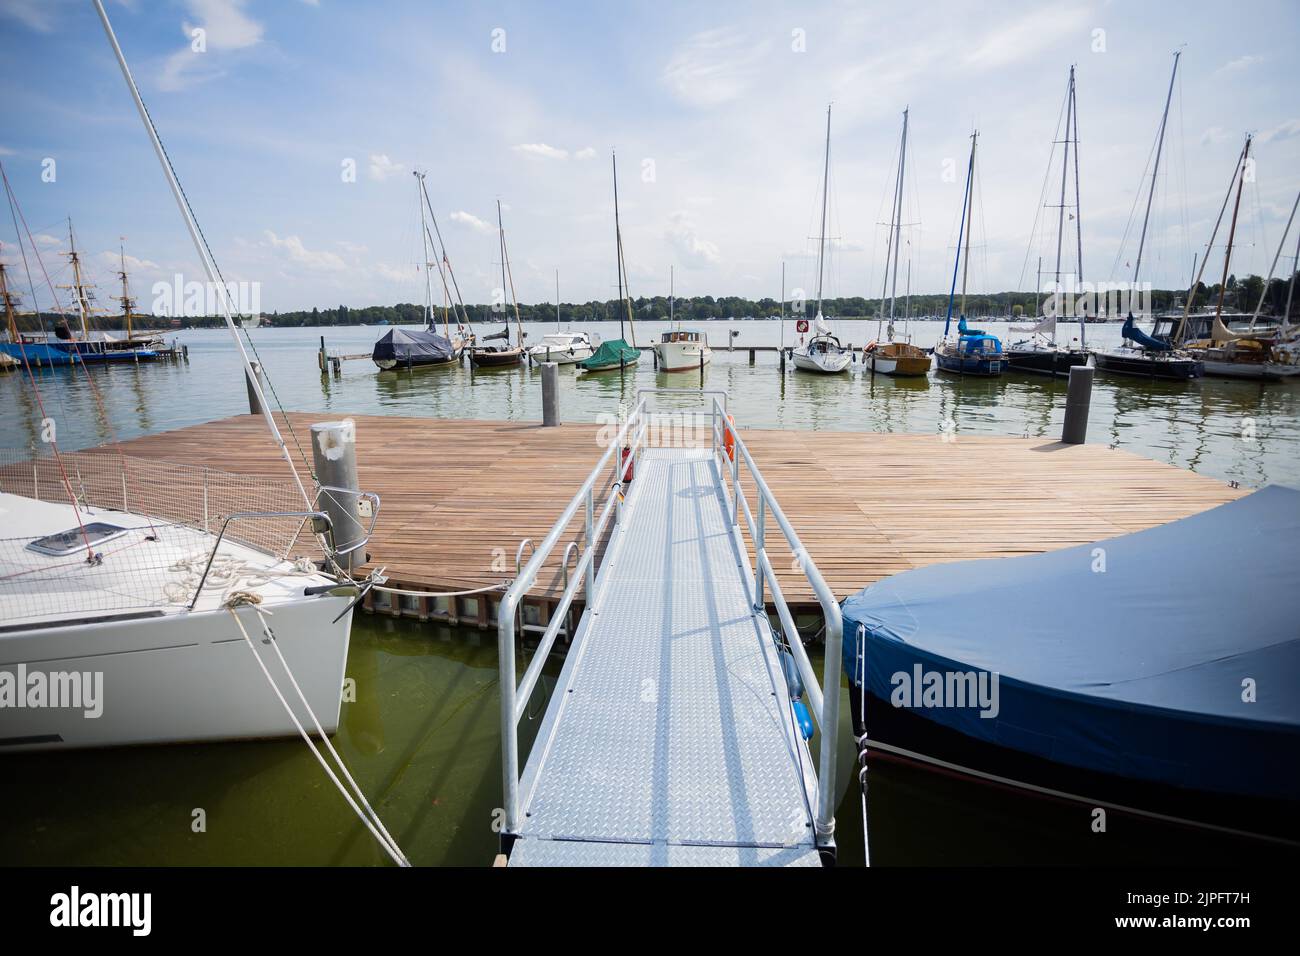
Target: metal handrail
{"type": "Point", "coordinates": [326, 527]}
{"type": "Point", "coordinates": [584, 571]}
{"type": "Point", "coordinates": [826, 706]}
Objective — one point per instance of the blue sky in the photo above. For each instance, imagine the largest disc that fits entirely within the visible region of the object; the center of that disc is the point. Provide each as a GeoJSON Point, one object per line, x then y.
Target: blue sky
{"type": "Point", "coordinates": [716, 100]}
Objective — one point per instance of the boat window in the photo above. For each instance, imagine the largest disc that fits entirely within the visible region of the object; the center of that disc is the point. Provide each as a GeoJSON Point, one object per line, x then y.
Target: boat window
{"type": "Point", "coordinates": [73, 540]}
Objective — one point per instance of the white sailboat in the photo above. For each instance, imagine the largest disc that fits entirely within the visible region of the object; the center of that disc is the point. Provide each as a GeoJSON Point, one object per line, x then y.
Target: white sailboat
{"type": "Point", "coordinates": [823, 352]}
{"type": "Point", "coordinates": [127, 602]}
{"type": "Point", "coordinates": [678, 349]}
{"type": "Point", "coordinates": [563, 346]}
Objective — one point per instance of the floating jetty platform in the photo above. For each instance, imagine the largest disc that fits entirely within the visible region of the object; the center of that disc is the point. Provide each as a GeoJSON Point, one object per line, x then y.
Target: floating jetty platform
{"type": "Point", "coordinates": [674, 551]}
{"type": "Point", "coordinates": [459, 497]}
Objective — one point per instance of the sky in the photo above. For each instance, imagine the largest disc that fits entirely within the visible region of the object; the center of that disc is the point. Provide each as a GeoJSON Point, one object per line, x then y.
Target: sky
{"type": "Point", "coordinates": [718, 115]}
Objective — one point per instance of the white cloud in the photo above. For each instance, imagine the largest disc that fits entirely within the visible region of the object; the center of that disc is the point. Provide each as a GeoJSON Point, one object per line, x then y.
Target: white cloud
{"type": "Point", "coordinates": [382, 168]}
{"type": "Point", "coordinates": [1215, 134]}
{"type": "Point", "coordinates": [1017, 40]}
{"type": "Point", "coordinates": [34, 14]}
{"type": "Point", "coordinates": [542, 150]}
{"type": "Point", "coordinates": [226, 29]}
{"type": "Point", "coordinates": [585, 153]}
{"type": "Point", "coordinates": [471, 220]}
{"type": "Point", "coordinates": [114, 260]}
{"type": "Point", "coordinates": [47, 241]}
{"type": "Point", "coordinates": [692, 250]}
{"type": "Point", "coordinates": [6, 151]}
{"type": "Point", "coordinates": [1280, 132]}
{"type": "Point", "coordinates": [714, 67]}
{"type": "Point", "coordinates": [1240, 63]}
{"type": "Point", "coordinates": [298, 253]}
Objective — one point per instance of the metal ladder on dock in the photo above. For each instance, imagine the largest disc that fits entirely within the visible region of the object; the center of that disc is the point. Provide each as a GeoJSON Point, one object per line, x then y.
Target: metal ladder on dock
{"type": "Point", "coordinates": [671, 737]}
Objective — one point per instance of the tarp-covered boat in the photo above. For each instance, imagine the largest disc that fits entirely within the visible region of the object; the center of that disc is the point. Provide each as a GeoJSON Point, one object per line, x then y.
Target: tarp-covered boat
{"type": "Point", "coordinates": [407, 348]}
{"type": "Point", "coordinates": [1170, 656]}
{"type": "Point", "coordinates": [615, 353]}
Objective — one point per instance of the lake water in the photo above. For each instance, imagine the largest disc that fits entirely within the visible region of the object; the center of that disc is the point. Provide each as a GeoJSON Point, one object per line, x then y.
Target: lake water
{"type": "Point", "coordinates": [1236, 431]}
{"type": "Point", "coordinates": [423, 736]}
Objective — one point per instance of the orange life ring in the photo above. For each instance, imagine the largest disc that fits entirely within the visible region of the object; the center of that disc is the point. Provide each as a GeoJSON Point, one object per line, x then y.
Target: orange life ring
{"type": "Point", "coordinates": [729, 439]}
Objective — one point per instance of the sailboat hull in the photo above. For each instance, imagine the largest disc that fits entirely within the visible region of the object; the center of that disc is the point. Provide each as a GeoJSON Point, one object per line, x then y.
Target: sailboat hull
{"type": "Point", "coordinates": [899, 360]}
{"type": "Point", "coordinates": [1136, 363]}
{"type": "Point", "coordinates": [1045, 361]}
{"type": "Point", "coordinates": [957, 364]}
{"type": "Point", "coordinates": [489, 359]}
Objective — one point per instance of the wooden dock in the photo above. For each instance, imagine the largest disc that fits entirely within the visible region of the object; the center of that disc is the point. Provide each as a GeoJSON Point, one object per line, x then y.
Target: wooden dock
{"type": "Point", "coordinates": [459, 496]}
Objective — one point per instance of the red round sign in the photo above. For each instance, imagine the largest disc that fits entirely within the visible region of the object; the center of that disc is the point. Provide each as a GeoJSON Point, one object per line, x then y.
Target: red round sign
{"type": "Point", "coordinates": [802, 325]}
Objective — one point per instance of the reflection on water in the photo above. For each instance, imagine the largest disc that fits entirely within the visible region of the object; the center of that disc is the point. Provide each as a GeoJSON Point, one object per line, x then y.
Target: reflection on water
{"type": "Point", "coordinates": [1204, 425]}
{"type": "Point", "coordinates": [423, 741]}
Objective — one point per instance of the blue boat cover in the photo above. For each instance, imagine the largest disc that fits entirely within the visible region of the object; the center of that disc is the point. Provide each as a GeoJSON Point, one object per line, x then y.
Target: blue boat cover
{"type": "Point", "coordinates": [1170, 655]}
{"type": "Point", "coordinates": [1131, 331]}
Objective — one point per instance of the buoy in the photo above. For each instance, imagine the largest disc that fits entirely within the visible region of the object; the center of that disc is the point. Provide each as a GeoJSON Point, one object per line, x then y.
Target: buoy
{"type": "Point", "coordinates": [729, 439]}
{"type": "Point", "coordinates": [793, 682]}
{"type": "Point", "coordinates": [803, 719]}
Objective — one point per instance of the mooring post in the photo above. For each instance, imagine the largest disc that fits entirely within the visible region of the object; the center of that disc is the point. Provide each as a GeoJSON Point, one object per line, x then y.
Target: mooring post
{"type": "Point", "coordinates": [751, 356]}
{"type": "Point", "coordinates": [334, 457]}
{"type": "Point", "coordinates": [321, 357]}
{"type": "Point", "coordinates": [550, 394]}
{"type": "Point", "coordinates": [254, 406]}
{"type": "Point", "coordinates": [1078, 396]}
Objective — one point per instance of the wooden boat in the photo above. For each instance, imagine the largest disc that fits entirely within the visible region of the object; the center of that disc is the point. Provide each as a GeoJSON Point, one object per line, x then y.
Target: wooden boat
{"type": "Point", "coordinates": [823, 353]}
{"type": "Point", "coordinates": [897, 358]}
{"type": "Point", "coordinates": [680, 350]}
{"type": "Point", "coordinates": [617, 354]}
{"type": "Point", "coordinates": [494, 355]}
{"type": "Point", "coordinates": [900, 358]}
{"type": "Point", "coordinates": [1241, 349]}
{"type": "Point", "coordinates": [973, 351]}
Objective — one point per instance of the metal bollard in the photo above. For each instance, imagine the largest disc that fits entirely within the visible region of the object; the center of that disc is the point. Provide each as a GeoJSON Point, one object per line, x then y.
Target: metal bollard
{"type": "Point", "coordinates": [550, 394]}
{"type": "Point", "coordinates": [1078, 397]}
{"type": "Point", "coordinates": [334, 454]}
{"type": "Point", "coordinates": [254, 406]}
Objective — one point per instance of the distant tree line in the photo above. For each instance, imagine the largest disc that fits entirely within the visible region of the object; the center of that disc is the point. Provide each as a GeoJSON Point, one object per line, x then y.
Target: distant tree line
{"type": "Point", "coordinates": [1240, 296]}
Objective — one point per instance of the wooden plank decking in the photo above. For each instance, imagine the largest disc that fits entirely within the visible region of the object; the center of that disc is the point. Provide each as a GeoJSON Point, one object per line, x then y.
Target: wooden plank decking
{"type": "Point", "coordinates": [458, 496]}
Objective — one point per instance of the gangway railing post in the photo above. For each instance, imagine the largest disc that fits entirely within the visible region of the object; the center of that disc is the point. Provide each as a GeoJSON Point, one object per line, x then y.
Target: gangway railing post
{"type": "Point", "coordinates": [735, 483]}
{"type": "Point", "coordinates": [590, 583]}
{"type": "Point", "coordinates": [760, 549]}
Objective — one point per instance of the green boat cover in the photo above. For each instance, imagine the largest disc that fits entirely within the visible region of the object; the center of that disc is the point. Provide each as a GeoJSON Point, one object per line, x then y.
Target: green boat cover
{"type": "Point", "coordinates": [609, 354]}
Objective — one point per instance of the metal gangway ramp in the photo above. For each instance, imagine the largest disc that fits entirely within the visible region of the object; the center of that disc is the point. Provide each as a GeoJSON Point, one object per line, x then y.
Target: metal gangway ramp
{"type": "Point", "coordinates": [672, 736]}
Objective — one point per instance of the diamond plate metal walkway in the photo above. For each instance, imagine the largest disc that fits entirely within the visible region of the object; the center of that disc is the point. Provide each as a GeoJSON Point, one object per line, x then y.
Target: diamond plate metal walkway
{"type": "Point", "coordinates": [669, 738]}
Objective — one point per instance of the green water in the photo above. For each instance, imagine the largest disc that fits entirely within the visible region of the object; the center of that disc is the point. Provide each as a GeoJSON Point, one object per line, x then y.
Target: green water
{"type": "Point", "coordinates": [422, 739]}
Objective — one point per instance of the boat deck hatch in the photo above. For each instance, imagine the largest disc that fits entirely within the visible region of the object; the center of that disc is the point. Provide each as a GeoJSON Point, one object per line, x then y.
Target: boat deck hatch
{"type": "Point", "coordinates": [68, 542]}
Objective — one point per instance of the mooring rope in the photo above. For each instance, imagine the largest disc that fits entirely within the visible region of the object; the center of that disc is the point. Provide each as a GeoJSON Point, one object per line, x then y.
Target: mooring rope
{"type": "Point", "coordinates": [934, 763]}
{"type": "Point", "coordinates": [378, 832]}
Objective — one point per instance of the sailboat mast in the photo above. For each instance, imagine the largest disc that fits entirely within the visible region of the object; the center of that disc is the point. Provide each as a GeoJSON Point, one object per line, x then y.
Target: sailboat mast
{"type": "Point", "coordinates": [1060, 209]}
{"type": "Point", "coordinates": [1273, 268]}
{"type": "Point", "coordinates": [1290, 286]}
{"type": "Point", "coordinates": [1078, 210]}
{"type": "Point", "coordinates": [424, 241]}
{"type": "Point", "coordinates": [970, 216]}
{"type": "Point", "coordinates": [508, 272]}
{"type": "Point", "coordinates": [1160, 145]}
{"type": "Point", "coordinates": [965, 201]}
{"type": "Point", "coordinates": [200, 247]}
{"type": "Point", "coordinates": [618, 242]}
{"type": "Point", "coordinates": [1232, 227]}
{"type": "Point", "coordinates": [501, 239]}
{"type": "Point", "coordinates": [782, 305]}
{"type": "Point", "coordinates": [8, 300]}
{"type": "Point", "coordinates": [557, 300]}
{"type": "Point", "coordinates": [126, 293]}
{"type": "Point", "coordinates": [83, 306]}
{"type": "Point", "coordinates": [898, 222]}
{"type": "Point", "coordinates": [821, 248]}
